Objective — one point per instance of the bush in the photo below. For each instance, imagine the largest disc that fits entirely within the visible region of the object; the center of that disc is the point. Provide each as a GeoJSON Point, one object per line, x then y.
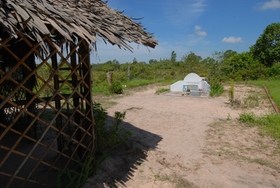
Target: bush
{"type": "Point", "coordinates": [248, 118]}
{"type": "Point", "coordinates": [107, 138]}
{"type": "Point", "coordinates": [216, 89]}
{"type": "Point", "coordinates": [116, 88]}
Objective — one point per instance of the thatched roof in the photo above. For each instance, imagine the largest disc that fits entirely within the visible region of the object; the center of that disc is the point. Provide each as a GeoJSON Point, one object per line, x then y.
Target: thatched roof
{"type": "Point", "coordinates": [72, 18]}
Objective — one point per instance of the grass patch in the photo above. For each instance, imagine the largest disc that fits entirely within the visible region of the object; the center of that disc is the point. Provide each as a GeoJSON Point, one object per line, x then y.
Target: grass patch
{"type": "Point", "coordinates": [216, 89]}
{"type": "Point", "coordinates": [161, 90]}
{"type": "Point", "coordinates": [269, 124]}
{"type": "Point", "coordinates": [251, 101]}
{"type": "Point", "coordinates": [141, 82]}
{"type": "Point", "coordinates": [100, 89]}
{"type": "Point", "coordinates": [273, 87]}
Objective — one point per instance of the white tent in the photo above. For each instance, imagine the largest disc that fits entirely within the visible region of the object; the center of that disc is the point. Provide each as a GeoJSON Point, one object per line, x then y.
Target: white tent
{"type": "Point", "coordinates": [191, 82]}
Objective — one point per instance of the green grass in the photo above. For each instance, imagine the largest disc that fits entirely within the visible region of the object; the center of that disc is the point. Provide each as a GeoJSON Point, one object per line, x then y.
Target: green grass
{"type": "Point", "coordinates": [141, 82]}
{"type": "Point", "coordinates": [251, 101]}
{"type": "Point", "coordinates": [269, 124]}
{"type": "Point", "coordinates": [161, 90]}
{"type": "Point", "coordinates": [273, 87]}
{"type": "Point", "coordinates": [100, 89]}
{"type": "Point", "coordinates": [216, 89]}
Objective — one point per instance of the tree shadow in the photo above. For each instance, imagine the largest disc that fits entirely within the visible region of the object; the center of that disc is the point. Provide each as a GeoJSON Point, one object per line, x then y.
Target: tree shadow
{"type": "Point", "coordinates": [119, 166]}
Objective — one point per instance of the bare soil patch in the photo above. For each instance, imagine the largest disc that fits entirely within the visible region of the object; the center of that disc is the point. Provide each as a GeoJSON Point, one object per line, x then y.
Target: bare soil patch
{"type": "Point", "coordinates": [184, 141]}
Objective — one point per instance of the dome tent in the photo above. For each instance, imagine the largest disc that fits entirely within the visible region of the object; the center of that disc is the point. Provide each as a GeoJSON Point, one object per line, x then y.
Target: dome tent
{"type": "Point", "coordinates": [191, 82]}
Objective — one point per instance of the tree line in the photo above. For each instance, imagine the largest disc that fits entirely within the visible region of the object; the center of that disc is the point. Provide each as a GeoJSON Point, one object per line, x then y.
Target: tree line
{"type": "Point", "coordinates": [261, 61]}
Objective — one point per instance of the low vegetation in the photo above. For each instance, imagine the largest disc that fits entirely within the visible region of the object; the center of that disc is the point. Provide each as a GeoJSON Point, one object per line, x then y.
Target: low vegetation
{"type": "Point", "coordinates": [272, 84]}
{"type": "Point", "coordinates": [109, 136]}
{"type": "Point", "coordinates": [161, 90]}
{"type": "Point", "coordinates": [269, 124]}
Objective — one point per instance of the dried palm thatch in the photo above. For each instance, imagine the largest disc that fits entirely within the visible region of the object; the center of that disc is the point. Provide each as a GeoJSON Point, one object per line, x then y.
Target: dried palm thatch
{"type": "Point", "coordinates": [80, 18]}
{"type": "Point", "coordinates": [46, 113]}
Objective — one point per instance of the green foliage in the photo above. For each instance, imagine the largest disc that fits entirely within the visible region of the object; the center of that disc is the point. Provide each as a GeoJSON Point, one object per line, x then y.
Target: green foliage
{"type": "Point", "coordinates": [267, 46]}
{"type": "Point", "coordinates": [142, 82]}
{"type": "Point", "coordinates": [272, 85]}
{"type": "Point", "coordinates": [216, 89]}
{"type": "Point", "coordinates": [161, 90]}
{"type": "Point", "coordinates": [173, 57]}
{"type": "Point", "coordinates": [240, 67]}
{"type": "Point", "coordinates": [262, 61]}
{"type": "Point", "coordinates": [44, 71]}
{"type": "Point", "coordinates": [248, 118]}
{"type": "Point", "coordinates": [108, 136]}
{"type": "Point", "coordinates": [251, 101]}
{"type": "Point", "coordinates": [76, 178]}
{"type": "Point", "coordinates": [191, 61]}
{"type": "Point", "coordinates": [269, 124]}
{"type": "Point", "coordinates": [274, 71]}
{"type": "Point", "coordinates": [116, 87]}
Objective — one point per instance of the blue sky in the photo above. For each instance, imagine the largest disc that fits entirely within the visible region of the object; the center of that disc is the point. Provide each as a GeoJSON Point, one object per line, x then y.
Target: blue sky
{"type": "Point", "coordinates": [199, 26]}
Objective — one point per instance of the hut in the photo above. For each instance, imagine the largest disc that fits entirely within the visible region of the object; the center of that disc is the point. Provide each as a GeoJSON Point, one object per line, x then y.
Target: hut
{"type": "Point", "coordinates": [46, 113]}
{"type": "Point", "coordinates": [192, 83]}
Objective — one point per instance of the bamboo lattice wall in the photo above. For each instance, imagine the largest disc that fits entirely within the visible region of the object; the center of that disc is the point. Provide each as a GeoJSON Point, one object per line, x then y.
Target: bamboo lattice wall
{"type": "Point", "coordinates": [46, 115]}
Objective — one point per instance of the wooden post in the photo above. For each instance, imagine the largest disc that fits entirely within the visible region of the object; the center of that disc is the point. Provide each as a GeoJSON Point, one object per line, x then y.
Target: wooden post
{"type": "Point", "coordinates": [84, 53]}
{"type": "Point", "coordinates": [109, 78]}
{"type": "Point", "coordinates": [57, 103]}
{"type": "Point", "coordinates": [128, 72]}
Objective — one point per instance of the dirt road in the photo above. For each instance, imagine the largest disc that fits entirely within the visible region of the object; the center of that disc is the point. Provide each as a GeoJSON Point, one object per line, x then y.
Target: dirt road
{"type": "Point", "coordinates": [184, 141]}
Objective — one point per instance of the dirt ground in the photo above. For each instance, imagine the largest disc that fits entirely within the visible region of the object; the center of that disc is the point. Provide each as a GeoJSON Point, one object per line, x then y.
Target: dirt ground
{"type": "Point", "coordinates": [187, 141]}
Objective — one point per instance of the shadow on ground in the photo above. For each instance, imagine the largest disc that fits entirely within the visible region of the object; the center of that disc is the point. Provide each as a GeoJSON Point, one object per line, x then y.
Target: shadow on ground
{"type": "Point", "coordinates": [118, 168]}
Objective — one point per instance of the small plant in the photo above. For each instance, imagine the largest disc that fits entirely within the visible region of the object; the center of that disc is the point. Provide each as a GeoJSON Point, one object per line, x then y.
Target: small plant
{"type": "Point", "coordinates": [76, 178]}
{"type": "Point", "coordinates": [251, 101]}
{"type": "Point", "coordinates": [161, 90]}
{"type": "Point", "coordinates": [248, 118]}
{"type": "Point", "coordinates": [108, 137]}
{"type": "Point", "coordinates": [229, 117]}
{"type": "Point", "coordinates": [162, 177]}
{"type": "Point", "coordinates": [216, 89]}
{"type": "Point", "coordinates": [111, 135]}
{"type": "Point", "coordinates": [231, 93]}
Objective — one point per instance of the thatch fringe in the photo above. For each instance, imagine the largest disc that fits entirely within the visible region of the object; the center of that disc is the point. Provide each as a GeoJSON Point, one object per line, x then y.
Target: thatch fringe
{"type": "Point", "coordinates": [72, 18]}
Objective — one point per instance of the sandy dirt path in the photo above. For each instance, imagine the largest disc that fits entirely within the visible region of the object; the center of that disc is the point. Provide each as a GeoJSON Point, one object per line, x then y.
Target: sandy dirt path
{"type": "Point", "coordinates": [184, 141]}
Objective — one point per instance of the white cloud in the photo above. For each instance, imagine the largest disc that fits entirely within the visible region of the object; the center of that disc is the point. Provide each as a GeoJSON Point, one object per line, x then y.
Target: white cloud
{"type": "Point", "coordinates": [232, 40]}
{"type": "Point", "coordinates": [273, 4]}
{"type": "Point", "coordinates": [198, 30]}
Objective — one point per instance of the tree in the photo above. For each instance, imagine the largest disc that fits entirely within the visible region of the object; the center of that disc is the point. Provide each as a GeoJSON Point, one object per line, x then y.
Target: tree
{"type": "Point", "coordinates": [173, 57]}
{"type": "Point", "coordinates": [134, 61]}
{"type": "Point", "coordinates": [191, 60]}
{"type": "Point", "coordinates": [267, 47]}
{"type": "Point", "coordinates": [153, 61]}
{"type": "Point", "coordinates": [228, 54]}
{"type": "Point", "coordinates": [240, 67]}
{"type": "Point", "coordinates": [220, 57]}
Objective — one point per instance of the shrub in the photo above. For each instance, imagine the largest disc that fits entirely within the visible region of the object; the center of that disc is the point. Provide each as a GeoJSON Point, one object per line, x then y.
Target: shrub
{"type": "Point", "coordinates": [107, 137]}
{"type": "Point", "coordinates": [116, 88]}
{"type": "Point", "coordinates": [216, 89]}
{"type": "Point", "coordinates": [248, 118]}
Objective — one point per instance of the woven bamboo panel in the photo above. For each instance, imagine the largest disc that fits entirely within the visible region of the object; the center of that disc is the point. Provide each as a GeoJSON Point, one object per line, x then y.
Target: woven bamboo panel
{"type": "Point", "coordinates": [46, 115]}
